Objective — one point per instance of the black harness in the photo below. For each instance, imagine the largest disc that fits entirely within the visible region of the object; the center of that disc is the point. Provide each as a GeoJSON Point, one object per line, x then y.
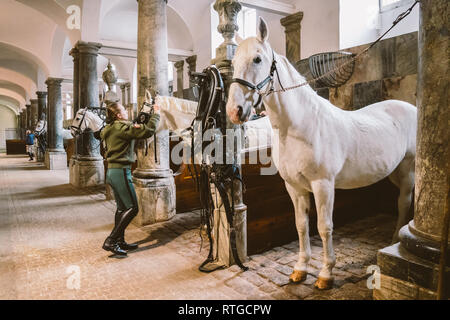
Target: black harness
{"type": "Point", "coordinates": [258, 87]}
{"type": "Point", "coordinates": [211, 114]}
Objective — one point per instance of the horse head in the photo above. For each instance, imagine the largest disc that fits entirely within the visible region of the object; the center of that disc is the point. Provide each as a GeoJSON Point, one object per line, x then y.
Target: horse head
{"type": "Point", "coordinates": [41, 127]}
{"type": "Point", "coordinates": [252, 65]}
{"type": "Point", "coordinates": [84, 120]}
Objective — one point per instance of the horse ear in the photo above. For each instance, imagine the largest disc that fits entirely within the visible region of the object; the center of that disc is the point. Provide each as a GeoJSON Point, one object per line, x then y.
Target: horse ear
{"type": "Point", "coordinates": [238, 39]}
{"type": "Point", "coordinates": [263, 30]}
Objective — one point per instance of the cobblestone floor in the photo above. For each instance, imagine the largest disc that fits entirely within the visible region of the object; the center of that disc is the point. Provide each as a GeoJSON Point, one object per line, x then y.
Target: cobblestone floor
{"type": "Point", "coordinates": [49, 231]}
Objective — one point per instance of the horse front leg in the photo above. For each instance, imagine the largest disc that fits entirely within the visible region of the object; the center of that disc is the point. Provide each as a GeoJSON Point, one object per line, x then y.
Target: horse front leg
{"type": "Point", "coordinates": [324, 198]}
{"type": "Point", "coordinates": [300, 199]}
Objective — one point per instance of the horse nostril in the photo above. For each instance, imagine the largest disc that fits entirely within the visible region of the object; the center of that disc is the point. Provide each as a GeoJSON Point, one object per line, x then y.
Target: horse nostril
{"type": "Point", "coordinates": [240, 111]}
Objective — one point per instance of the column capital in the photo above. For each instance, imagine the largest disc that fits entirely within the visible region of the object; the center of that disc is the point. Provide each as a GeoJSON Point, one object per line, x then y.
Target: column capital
{"type": "Point", "coordinates": [41, 94]}
{"type": "Point", "coordinates": [292, 22]}
{"type": "Point", "coordinates": [33, 101]}
{"type": "Point", "coordinates": [88, 47]}
{"type": "Point", "coordinates": [74, 52]}
{"type": "Point", "coordinates": [192, 59]}
{"type": "Point", "coordinates": [228, 11]}
{"type": "Point", "coordinates": [128, 85]}
{"type": "Point", "coordinates": [28, 106]}
{"type": "Point", "coordinates": [54, 81]}
{"type": "Point", "coordinates": [179, 65]}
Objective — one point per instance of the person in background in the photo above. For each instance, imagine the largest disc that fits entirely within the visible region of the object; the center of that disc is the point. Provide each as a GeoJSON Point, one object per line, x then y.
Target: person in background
{"type": "Point", "coordinates": [30, 144]}
{"type": "Point", "coordinates": [119, 136]}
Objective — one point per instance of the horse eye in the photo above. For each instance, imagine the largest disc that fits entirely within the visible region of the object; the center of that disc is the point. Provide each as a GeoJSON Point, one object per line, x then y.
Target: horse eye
{"type": "Point", "coordinates": [257, 60]}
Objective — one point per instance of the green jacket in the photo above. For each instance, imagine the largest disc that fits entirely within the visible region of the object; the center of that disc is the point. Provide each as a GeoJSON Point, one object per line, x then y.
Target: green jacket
{"type": "Point", "coordinates": [119, 137]}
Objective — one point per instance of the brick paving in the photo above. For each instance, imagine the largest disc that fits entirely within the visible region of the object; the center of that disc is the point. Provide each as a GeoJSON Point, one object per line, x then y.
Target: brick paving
{"type": "Point", "coordinates": [49, 231]}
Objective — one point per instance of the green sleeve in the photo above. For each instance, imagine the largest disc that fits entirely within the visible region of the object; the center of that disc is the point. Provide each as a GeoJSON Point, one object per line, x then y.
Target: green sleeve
{"type": "Point", "coordinates": [145, 131]}
{"type": "Point", "coordinates": [102, 134]}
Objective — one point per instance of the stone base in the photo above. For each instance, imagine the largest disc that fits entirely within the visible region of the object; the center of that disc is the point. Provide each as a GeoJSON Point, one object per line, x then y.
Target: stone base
{"type": "Point", "coordinates": [156, 199]}
{"type": "Point", "coordinates": [40, 156]}
{"type": "Point", "coordinates": [86, 173]}
{"type": "Point", "coordinates": [406, 276]}
{"type": "Point", "coordinates": [55, 160]}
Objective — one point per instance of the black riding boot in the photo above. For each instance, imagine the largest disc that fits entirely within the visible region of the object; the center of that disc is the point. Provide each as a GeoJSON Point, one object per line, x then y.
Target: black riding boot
{"type": "Point", "coordinates": [112, 242]}
{"type": "Point", "coordinates": [121, 241]}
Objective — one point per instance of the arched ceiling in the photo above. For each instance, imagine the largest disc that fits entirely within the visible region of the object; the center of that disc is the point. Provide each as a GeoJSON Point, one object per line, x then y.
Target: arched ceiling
{"type": "Point", "coordinates": [21, 61]}
{"type": "Point", "coordinates": [5, 84]}
{"type": "Point", "coordinates": [13, 95]}
{"type": "Point", "coordinates": [118, 22]}
{"type": "Point", "coordinates": [55, 11]}
{"type": "Point", "coordinates": [7, 107]}
{"type": "Point", "coordinates": [18, 79]}
{"type": "Point", "coordinates": [10, 102]}
{"type": "Point", "coordinates": [31, 43]}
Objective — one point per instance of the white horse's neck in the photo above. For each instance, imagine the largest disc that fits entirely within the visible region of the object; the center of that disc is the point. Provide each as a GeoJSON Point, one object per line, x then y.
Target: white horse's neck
{"type": "Point", "coordinates": [301, 109]}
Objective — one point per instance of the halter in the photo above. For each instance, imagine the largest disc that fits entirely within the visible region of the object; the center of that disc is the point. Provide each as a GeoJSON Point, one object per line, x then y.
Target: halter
{"type": "Point", "coordinates": [258, 87]}
{"type": "Point", "coordinates": [77, 129]}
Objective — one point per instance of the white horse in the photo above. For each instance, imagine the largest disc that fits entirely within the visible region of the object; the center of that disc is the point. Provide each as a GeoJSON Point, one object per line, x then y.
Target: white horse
{"type": "Point", "coordinates": [41, 129]}
{"type": "Point", "coordinates": [322, 147]}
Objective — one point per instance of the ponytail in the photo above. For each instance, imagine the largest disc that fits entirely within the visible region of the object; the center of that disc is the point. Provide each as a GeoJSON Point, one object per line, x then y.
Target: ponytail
{"type": "Point", "coordinates": [112, 110]}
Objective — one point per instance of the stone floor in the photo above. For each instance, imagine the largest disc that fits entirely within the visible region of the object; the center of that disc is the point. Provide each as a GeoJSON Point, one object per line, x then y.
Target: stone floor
{"type": "Point", "coordinates": [51, 232]}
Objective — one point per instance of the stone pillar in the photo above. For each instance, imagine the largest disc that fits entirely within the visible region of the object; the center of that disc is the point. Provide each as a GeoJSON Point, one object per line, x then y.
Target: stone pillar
{"type": "Point", "coordinates": [192, 67]}
{"type": "Point", "coordinates": [129, 104]}
{"type": "Point", "coordinates": [24, 122]}
{"type": "Point", "coordinates": [123, 91]}
{"type": "Point", "coordinates": [55, 155]}
{"type": "Point", "coordinates": [28, 127]}
{"type": "Point", "coordinates": [86, 167]}
{"type": "Point", "coordinates": [34, 113]}
{"type": "Point", "coordinates": [292, 25]}
{"type": "Point", "coordinates": [228, 10]}
{"type": "Point", "coordinates": [42, 104]}
{"type": "Point", "coordinates": [20, 124]}
{"type": "Point", "coordinates": [409, 269]}
{"type": "Point", "coordinates": [179, 66]}
{"type": "Point", "coordinates": [76, 79]}
{"type": "Point", "coordinates": [153, 178]}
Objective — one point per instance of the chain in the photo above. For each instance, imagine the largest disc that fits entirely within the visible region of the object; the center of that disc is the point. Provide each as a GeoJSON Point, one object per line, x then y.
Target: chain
{"type": "Point", "coordinates": [400, 17]}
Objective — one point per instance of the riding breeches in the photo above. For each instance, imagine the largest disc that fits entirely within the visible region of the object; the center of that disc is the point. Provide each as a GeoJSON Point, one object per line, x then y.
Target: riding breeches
{"type": "Point", "coordinates": [122, 184]}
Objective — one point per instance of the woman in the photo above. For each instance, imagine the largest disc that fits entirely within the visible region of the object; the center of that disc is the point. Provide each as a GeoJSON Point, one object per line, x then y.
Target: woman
{"type": "Point", "coordinates": [119, 135]}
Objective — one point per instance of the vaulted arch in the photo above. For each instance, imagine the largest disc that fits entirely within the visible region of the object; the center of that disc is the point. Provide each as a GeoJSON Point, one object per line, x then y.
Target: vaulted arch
{"type": "Point", "coordinates": [5, 84]}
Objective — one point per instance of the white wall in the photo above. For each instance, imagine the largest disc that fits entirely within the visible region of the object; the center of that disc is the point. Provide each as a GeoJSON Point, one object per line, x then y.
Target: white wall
{"type": "Point", "coordinates": [320, 26]}
{"type": "Point", "coordinates": [7, 121]}
{"type": "Point", "coordinates": [361, 22]}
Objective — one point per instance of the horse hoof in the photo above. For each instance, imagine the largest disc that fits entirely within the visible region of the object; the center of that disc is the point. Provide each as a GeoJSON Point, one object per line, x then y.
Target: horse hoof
{"type": "Point", "coordinates": [297, 276]}
{"type": "Point", "coordinates": [324, 284]}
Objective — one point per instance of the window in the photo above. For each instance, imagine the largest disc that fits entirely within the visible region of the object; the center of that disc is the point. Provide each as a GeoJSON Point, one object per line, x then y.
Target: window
{"type": "Point", "coordinates": [246, 21]}
{"type": "Point", "coordinates": [386, 5]}
{"type": "Point", "coordinates": [67, 105]}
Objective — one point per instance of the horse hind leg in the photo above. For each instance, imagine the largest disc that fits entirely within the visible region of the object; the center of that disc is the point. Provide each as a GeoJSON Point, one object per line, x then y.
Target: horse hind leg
{"type": "Point", "coordinates": [301, 203]}
{"type": "Point", "coordinates": [403, 178]}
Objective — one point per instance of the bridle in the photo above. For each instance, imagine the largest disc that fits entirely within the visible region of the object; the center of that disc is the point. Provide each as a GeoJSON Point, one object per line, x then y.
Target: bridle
{"type": "Point", "coordinates": [258, 87]}
{"type": "Point", "coordinates": [77, 129]}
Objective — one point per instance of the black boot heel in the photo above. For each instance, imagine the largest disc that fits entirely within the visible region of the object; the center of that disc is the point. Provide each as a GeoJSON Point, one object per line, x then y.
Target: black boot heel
{"type": "Point", "coordinates": [113, 246]}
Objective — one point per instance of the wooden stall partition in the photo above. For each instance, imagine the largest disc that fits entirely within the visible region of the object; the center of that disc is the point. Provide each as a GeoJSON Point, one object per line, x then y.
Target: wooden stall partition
{"type": "Point", "coordinates": [187, 196]}
{"type": "Point", "coordinates": [15, 147]}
